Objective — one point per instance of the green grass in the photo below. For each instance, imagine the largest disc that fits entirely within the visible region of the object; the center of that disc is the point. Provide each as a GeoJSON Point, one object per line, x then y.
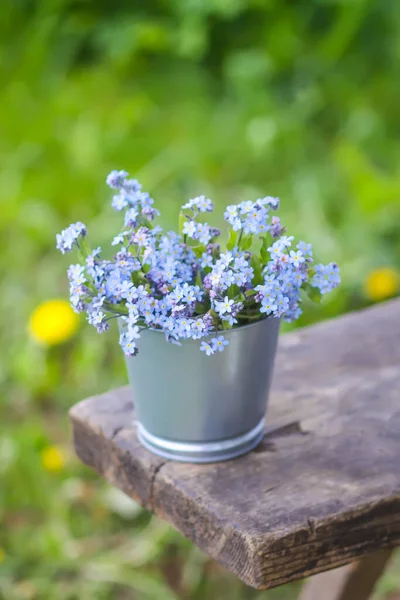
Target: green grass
{"type": "Point", "coordinates": [226, 98]}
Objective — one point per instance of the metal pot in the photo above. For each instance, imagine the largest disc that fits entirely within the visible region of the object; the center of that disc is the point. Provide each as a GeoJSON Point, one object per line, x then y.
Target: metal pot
{"type": "Point", "coordinates": [196, 408]}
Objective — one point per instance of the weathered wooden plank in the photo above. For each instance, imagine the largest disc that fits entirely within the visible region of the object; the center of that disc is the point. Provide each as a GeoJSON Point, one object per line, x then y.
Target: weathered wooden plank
{"type": "Point", "coordinates": [351, 582]}
{"type": "Point", "coordinates": [308, 499]}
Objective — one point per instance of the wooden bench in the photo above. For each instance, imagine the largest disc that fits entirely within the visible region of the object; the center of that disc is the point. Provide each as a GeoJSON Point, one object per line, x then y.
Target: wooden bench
{"type": "Point", "coordinates": [322, 490]}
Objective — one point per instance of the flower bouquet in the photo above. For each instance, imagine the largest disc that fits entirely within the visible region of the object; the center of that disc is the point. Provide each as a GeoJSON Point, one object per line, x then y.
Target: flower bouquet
{"type": "Point", "coordinates": [202, 396]}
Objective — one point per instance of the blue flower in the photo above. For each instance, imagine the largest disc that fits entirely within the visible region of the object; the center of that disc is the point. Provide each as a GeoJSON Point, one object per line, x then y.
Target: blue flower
{"type": "Point", "coordinates": [276, 250]}
{"type": "Point", "coordinates": [76, 274]}
{"type": "Point", "coordinates": [215, 277]}
{"type": "Point", "coordinates": [130, 219]}
{"type": "Point", "coordinates": [120, 238]}
{"type": "Point", "coordinates": [132, 332]}
{"type": "Point", "coordinates": [97, 302]}
{"type": "Point", "coordinates": [141, 237]}
{"type": "Point", "coordinates": [201, 204]}
{"type": "Point", "coordinates": [248, 272]}
{"type": "Point", "coordinates": [192, 293]}
{"type": "Point", "coordinates": [296, 258]}
{"type": "Point", "coordinates": [131, 186]}
{"type": "Point", "coordinates": [285, 241]}
{"type": "Point", "coordinates": [190, 228]}
{"type": "Point", "coordinates": [180, 293]}
{"type": "Point", "coordinates": [268, 306]}
{"type": "Point", "coordinates": [128, 346]}
{"type": "Point", "coordinates": [271, 201]}
{"type": "Point", "coordinates": [169, 324]}
{"type": "Point", "coordinates": [203, 233]}
{"type": "Point", "coordinates": [276, 229]}
{"type": "Point", "coordinates": [70, 236]}
{"type": "Point", "coordinates": [240, 279]}
{"type": "Point", "coordinates": [230, 319]}
{"type": "Point", "coordinates": [207, 348]}
{"type": "Point", "coordinates": [246, 207]}
{"type": "Point", "coordinates": [116, 179]}
{"type": "Point", "coordinates": [206, 260]}
{"type": "Point", "coordinates": [119, 202]}
{"type": "Point", "coordinates": [282, 303]}
{"type": "Point", "coordinates": [219, 343]}
{"type": "Point", "coordinates": [326, 278]}
{"type": "Point", "coordinates": [306, 249]}
{"type": "Point", "coordinates": [96, 317]}
{"type": "Point", "coordinates": [255, 219]}
{"type": "Point", "coordinates": [240, 262]}
{"type": "Point", "coordinates": [225, 259]}
{"type": "Point", "coordinates": [198, 328]}
{"type": "Point", "coordinates": [232, 217]}
{"type": "Point", "coordinates": [227, 279]}
{"type": "Point", "coordinates": [91, 258]}
{"type": "Point", "coordinates": [224, 307]}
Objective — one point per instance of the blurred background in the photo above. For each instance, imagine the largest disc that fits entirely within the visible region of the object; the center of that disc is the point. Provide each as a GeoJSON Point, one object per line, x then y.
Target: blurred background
{"type": "Point", "coordinates": [231, 98]}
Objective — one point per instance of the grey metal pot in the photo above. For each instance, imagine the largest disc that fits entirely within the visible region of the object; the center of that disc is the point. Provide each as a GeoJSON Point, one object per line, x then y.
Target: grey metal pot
{"type": "Point", "coordinates": [196, 408]}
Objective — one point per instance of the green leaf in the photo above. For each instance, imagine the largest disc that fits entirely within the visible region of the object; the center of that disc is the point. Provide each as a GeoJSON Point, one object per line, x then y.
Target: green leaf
{"type": "Point", "coordinates": [250, 293]}
{"type": "Point", "coordinates": [146, 223]}
{"type": "Point", "coordinates": [198, 250]}
{"type": "Point", "coordinates": [136, 280]}
{"type": "Point", "coordinates": [265, 241]}
{"type": "Point", "coordinates": [214, 315]}
{"type": "Point", "coordinates": [182, 221]}
{"type": "Point", "coordinates": [84, 248]}
{"type": "Point", "coordinates": [264, 254]}
{"type": "Point", "coordinates": [246, 242]}
{"type": "Point", "coordinates": [198, 280]}
{"type": "Point", "coordinates": [233, 291]}
{"type": "Point", "coordinates": [311, 272]}
{"type": "Point", "coordinates": [316, 296]}
{"type": "Point", "coordinates": [233, 236]}
{"type": "Point", "coordinates": [199, 308]}
{"type": "Point", "coordinates": [146, 268]}
{"type": "Point", "coordinates": [256, 264]}
{"type": "Point", "coordinates": [313, 293]}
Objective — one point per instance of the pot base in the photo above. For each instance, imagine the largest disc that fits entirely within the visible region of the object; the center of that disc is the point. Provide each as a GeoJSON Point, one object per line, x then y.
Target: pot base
{"type": "Point", "coordinates": [206, 452]}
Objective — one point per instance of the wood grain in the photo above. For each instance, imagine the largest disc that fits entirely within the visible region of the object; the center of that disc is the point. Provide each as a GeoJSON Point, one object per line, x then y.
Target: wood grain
{"type": "Point", "coordinates": [312, 497]}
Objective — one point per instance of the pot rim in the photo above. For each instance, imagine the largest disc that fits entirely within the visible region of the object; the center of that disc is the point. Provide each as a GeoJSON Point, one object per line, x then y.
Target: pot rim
{"type": "Point", "coordinates": [226, 331]}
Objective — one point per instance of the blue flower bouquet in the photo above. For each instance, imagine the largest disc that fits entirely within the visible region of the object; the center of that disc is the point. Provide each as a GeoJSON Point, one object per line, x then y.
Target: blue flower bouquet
{"type": "Point", "coordinates": [200, 294]}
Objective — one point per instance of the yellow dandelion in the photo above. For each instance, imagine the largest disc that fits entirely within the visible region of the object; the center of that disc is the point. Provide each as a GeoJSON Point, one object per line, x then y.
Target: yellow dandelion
{"type": "Point", "coordinates": [2, 555]}
{"type": "Point", "coordinates": [53, 322]}
{"type": "Point", "coordinates": [381, 284]}
{"type": "Point", "coordinates": [53, 459]}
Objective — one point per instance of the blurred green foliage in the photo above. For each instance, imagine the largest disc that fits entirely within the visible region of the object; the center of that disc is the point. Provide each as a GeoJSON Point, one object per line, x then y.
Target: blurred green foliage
{"type": "Point", "coordinates": [231, 98]}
